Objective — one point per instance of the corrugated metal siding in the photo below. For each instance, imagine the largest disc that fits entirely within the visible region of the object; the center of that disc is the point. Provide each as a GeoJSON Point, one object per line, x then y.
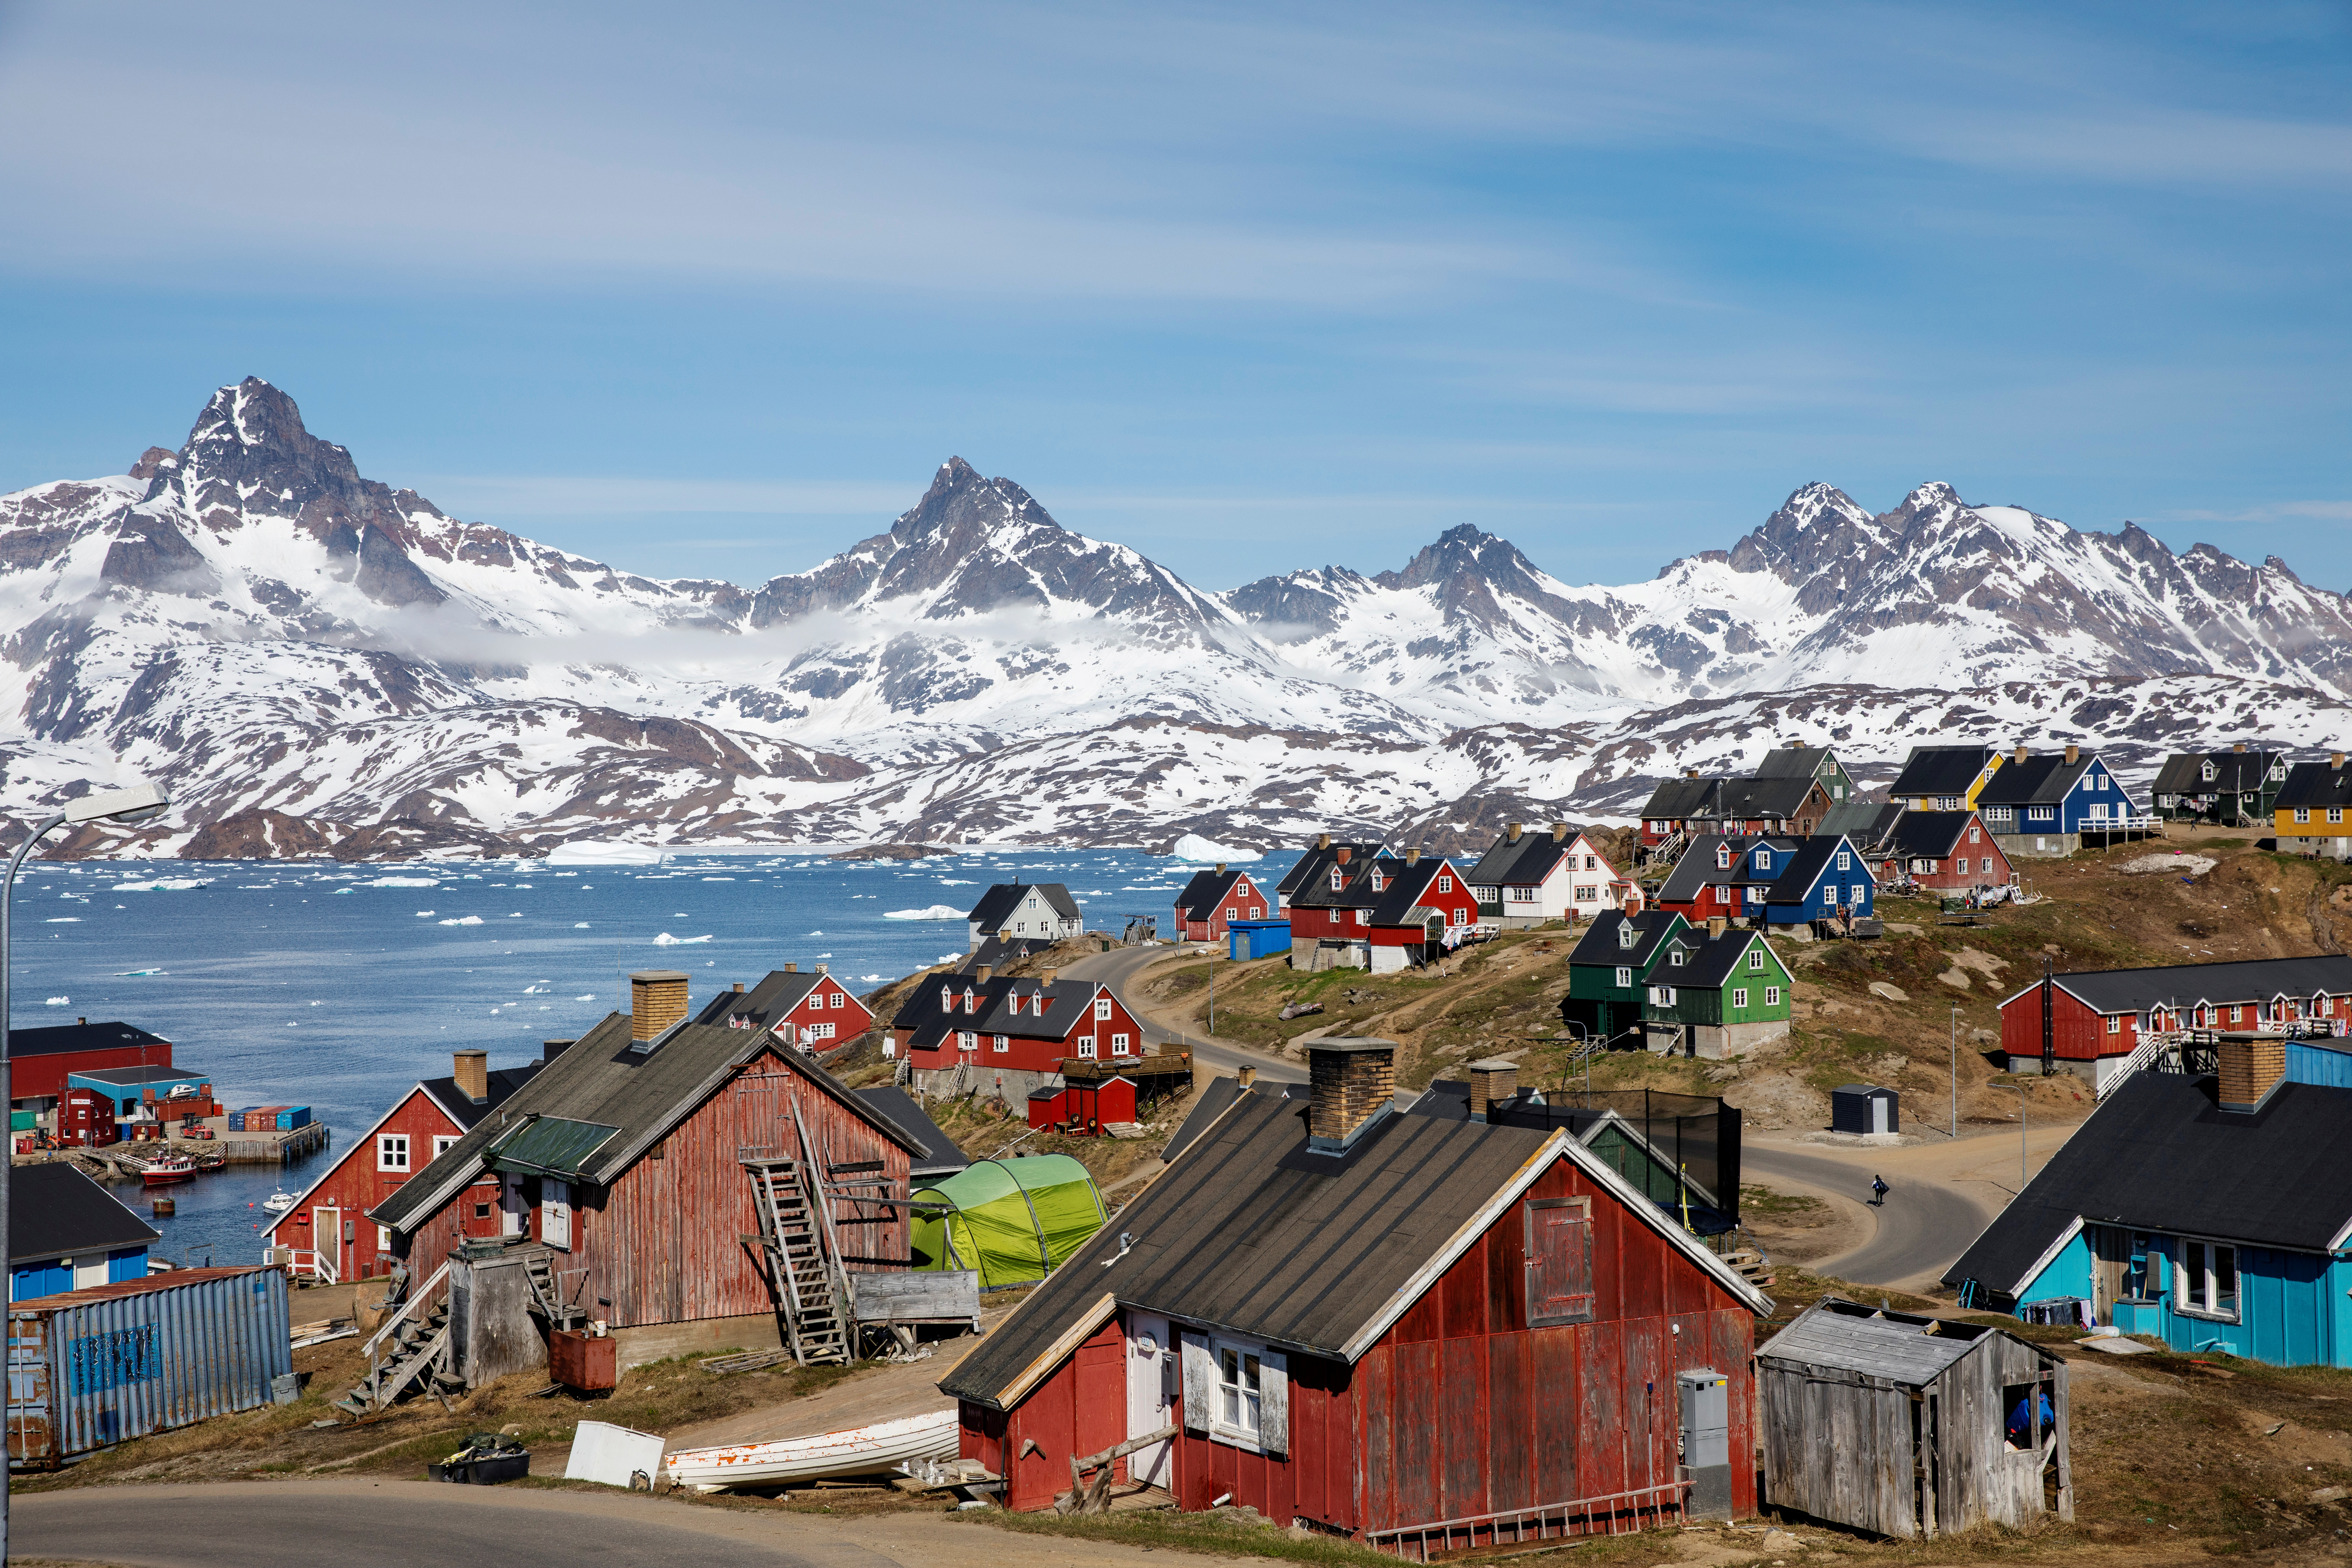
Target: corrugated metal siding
{"type": "Point", "coordinates": [662, 1245]}
{"type": "Point", "coordinates": [92, 1368]}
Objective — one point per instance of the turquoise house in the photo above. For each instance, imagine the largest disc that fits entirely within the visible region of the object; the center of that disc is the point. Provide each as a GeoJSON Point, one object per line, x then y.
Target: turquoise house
{"type": "Point", "coordinates": [2214, 1214]}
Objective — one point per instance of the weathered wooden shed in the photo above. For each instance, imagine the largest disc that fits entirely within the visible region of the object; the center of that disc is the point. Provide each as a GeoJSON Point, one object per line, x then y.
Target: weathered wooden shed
{"type": "Point", "coordinates": [1900, 1425]}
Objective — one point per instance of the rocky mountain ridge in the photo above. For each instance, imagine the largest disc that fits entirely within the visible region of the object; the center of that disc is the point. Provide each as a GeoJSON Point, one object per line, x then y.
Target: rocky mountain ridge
{"type": "Point", "coordinates": [318, 662]}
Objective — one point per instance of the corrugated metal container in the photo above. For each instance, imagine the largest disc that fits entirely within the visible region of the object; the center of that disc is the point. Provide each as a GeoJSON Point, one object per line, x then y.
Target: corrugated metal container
{"type": "Point", "coordinates": [293, 1116]}
{"type": "Point", "coordinates": [88, 1369]}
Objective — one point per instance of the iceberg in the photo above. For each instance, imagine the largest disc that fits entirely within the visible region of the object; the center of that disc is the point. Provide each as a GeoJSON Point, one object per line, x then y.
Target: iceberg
{"type": "Point", "coordinates": [1192, 846]}
{"type": "Point", "coordinates": [424, 914]}
{"type": "Point", "coordinates": [403, 882]}
{"type": "Point", "coordinates": [579, 925]}
{"type": "Point", "coordinates": [464, 920]}
{"type": "Point", "coordinates": [665, 940]}
{"type": "Point", "coordinates": [163, 885]}
{"type": "Point", "coordinates": [598, 854]}
{"type": "Point", "coordinates": [58, 1001]}
{"type": "Point", "coordinates": [936, 913]}
{"type": "Point", "coordinates": [63, 920]}
{"type": "Point", "coordinates": [126, 974]}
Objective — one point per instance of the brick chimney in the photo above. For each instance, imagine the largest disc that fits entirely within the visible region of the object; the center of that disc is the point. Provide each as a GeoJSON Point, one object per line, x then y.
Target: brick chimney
{"type": "Point", "coordinates": [1322, 841]}
{"type": "Point", "coordinates": [2238, 746]}
{"type": "Point", "coordinates": [2251, 1072]}
{"type": "Point", "coordinates": [739, 988]}
{"type": "Point", "coordinates": [1351, 1085]}
{"type": "Point", "coordinates": [1511, 836]}
{"type": "Point", "coordinates": [1246, 1075]}
{"type": "Point", "coordinates": [1690, 773]}
{"type": "Point", "coordinates": [987, 973]}
{"type": "Point", "coordinates": [1559, 832]}
{"type": "Point", "coordinates": [792, 969]}
{"type": "Point", "coordinates": [473, 1075]}
{"type": "Point", "coordinates": [1342, 853]}
{"type": "Point", "coordinates": [2021, 752]}
{"type": "Point", "coordinates": [656, 1001]}
{"type": "Point", "coordinates": [1491, 1083]}
{"type": "Point", "coordinates": [2074, 753]}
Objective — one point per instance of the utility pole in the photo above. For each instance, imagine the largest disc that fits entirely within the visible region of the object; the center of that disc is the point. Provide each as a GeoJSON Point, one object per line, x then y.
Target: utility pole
{"type": "Point", "coordinates": [1956, 1069]}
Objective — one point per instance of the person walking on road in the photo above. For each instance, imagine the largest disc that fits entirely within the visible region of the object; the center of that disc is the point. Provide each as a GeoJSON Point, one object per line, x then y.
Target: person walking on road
{"type": "Point", "coordinates": [1878, 1191]}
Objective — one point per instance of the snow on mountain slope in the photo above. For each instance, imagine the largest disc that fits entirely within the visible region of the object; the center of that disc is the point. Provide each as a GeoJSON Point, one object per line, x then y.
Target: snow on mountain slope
{"type": "Point", "coordinates": [316, 661]}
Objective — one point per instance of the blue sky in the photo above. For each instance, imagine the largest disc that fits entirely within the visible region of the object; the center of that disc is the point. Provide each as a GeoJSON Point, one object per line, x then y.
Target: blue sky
{"type": "Point", "coordinates": [712, 290]}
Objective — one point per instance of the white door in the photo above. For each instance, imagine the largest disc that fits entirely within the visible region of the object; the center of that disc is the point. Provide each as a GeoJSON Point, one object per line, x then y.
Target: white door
{"type": "Point", "coordinates": [555, 1213]}
{"type": "Point", "coordinates": [327, 1236]}
{"type": "Point", "coordinates": [514, 1214]}
{"type": "Point", "coordinates": [1151, 1396]}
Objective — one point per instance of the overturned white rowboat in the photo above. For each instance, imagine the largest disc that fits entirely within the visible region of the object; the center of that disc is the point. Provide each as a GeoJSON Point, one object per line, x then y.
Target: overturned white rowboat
{"type": "Point", "coordinates": [860, 1451]}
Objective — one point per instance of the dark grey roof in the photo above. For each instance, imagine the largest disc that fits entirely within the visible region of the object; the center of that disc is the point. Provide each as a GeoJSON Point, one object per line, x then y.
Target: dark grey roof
{"type": "Point", "coordinates": [940, 1157]}
{"type": "Point", "coordinates": [765, 1002]}
{"type": "Point", "coordinates": [2037, 781]}
{"type": "Point", "coordinates": [2186, 985]}
{"type": "Point", "coordinates": [1942, 770]}
{"type": "Point", "coordinates": [55, 1040]}
{"type": "Point", "coordinates": [461, 1109]}
{"type": "Point", "coordinates": [1313, 864]}
{"type": "Point", "coordinates": [55, 1211]}
{"type": "Point", "coordinates": [2307, 785]}
{"type": "Point", "coordinates": [1697, 869]}
{"type": "Point", "coordinates": [1001, 1004]}
{"type": "Point", "coordinates": [996, 905]}
{"type": "Point", "coordinates": [1406, 891]}
{"type": "Point", "coordinates": [1867, 823]}
{"type": "Point", "coordinates": [2234, 773]}
{"type": "Point", "coordinates": [1713, 959]}
{"type": "Point", "coordinates": [1356, 890]}
{"type": "Point", "coordinates": [1600, 949]}
{"type": "Point", "coordinates": [1524, 863]}
{"type": "Point", "coordinates": [2159, 1155]}
{"type": "Point", "coordinates": [1003, 952]}
{"type": "Point", "coordinates": [1249, 1231]}
{"type": "Point", "coordinates": [1934, 833]}
{"type": "Point", "coordinates": [1206, 887]}
{"type": "Point", "coordinates": [130, 1077]}
{"type": "Point", "coordinates": [1795, 761]}
{"type": "Point", "coordinates": [1812, 858]}
{"type": "Point", "coordinates": [1845, 1336]}
{"type": "Point", "coordinates": [1740, 799]}
{"type": "Point", "coordinates": [1215, 1099]}
{"type": "Point", "coordinates": [1677, 798]}
{"type": "Point", "coordinates": [603, 1081]}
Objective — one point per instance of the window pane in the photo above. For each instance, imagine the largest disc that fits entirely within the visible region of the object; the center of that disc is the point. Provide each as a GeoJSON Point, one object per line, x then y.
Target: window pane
{"type": "Point", "coordinates": [2225, 1280]}
{"type": "Point", "coordinates": [1249, 1374]}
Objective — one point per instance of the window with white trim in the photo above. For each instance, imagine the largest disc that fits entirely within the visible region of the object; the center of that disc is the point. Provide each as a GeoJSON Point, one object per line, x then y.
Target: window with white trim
{"type": "Point", "coordinates": [1102, 1006]}
{"type": "Point", "coordinates": [838, 999]}
{"type": "Point", "coordinates": [383, 1238]}
{"type": "Point", "coordinates": [1678, 957]}
{"type": "Point", "coordinates": [2335, 813]}
{"type": "Point", "coordinates": [1004, 1042]}
{"type": "Point", "coordinates": [1118, 1045]}
{"type": "Point", "coordinates": [1257, 912]}
{"type": "Point", "coordinates": [2301, 815]}
{"type": "Point", "coordinates": [967, 1041]}
{"type": "Point", "coordinates": [2115, 1023]}
{"type": "Point", "coordinates": [1771, 995]}
{"type": "Point", "coordinates": [819, 1032]}
{"type": "Point", "coordinates": [1363, 917]}
{"type": "Point", "coordinates": [1086, 1047]}
{"type": "Point", "coordinates": [1740, 997]}
{"type": "Point", "coordinates": [1845, 861]}
{"type": "Point", "coordinates": [1446, 884]}
{"type": "Point", "coordinates": [1338, 880]}
{"type": "Point", "coordinates": [1231, 913]}
{"type": "Point", "coordinates": [1755, 958]}
{"type": "Point", "coordinates": [1240, 1391]}
{"type": "Point", "coordinates": [391, 1152]}
{"type": "Point", "coordinates": [1625, 934]}
{"type": "Point", "coordinates": [1624, 975]}
{"type": "Point", "coordinates": [443, 1142]}
{"type": "Point", "coordinates": [2205, 1282]}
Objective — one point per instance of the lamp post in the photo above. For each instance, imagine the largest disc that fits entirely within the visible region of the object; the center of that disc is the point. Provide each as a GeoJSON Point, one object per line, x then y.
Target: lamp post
{"type": "Point", "coordinates": [137, 804]}
{"type": "Point", "coordinates": [1956, 1069]}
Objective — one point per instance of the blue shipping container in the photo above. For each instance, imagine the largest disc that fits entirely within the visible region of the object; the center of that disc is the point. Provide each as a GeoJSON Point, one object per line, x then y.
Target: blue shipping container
{"type": "Point", "coordinates": [92, 1368]}
{"type": "Point", "coordinates": [293, 1116]}
{"type": "Point", "coordinates": [1256, 938]}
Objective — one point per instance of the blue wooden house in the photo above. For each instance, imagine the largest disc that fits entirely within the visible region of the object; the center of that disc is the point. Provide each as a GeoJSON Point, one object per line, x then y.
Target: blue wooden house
{"type": "Point", "coordinates": [2042, 805]}
{"type": "Point", "coordinates": [68, 1232]}
{"type": "Point", "coordinates": [2211, 1212]}
{"type": "Point", "coordinates": [1823, 877]}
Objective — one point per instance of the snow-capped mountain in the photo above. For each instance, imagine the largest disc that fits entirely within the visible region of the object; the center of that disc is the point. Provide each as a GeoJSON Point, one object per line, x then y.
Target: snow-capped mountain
{"type": "Point", "coordinates": [318, 662]}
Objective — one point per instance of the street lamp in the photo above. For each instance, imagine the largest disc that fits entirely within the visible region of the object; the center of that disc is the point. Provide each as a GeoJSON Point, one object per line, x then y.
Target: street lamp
{"type": "Point", "coordinates": [1956, 1069]}
{"type": "Point", "coordinates": [137, 804]}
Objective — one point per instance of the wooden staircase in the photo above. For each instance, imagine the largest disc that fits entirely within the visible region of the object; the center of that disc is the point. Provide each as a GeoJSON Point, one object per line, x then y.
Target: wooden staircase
{"type": "Point", "coordinates": [547, 1298]}
{"type": "Point", "coordinates": [803, 1265]}
{"type": "Point", "coordinates": [416, 1350]}
{"type": "Point", "coordinates": [1751, 1266]}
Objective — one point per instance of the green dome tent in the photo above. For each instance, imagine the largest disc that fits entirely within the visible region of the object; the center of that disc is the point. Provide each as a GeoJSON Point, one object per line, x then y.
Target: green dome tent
{"type": "Point", "coordinates": [1014, 1220]}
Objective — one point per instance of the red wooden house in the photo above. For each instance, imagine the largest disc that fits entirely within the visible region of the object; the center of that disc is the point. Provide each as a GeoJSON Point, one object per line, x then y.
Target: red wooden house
{"type": "Point", "coordinates": [813, 1010]}
{"type": "Point", "coordinates": [40, 1060]}
{"type": "Point", "coordinates": [2090, 1022]}
{"type": "Point", "coordinates": [1375, 911]}
{"type": "Point", "coordinates": [1425, 908]}
{"type": "Point", "coordinates": [1009, 1034]}
{"type": "Point", "coordinates": [1212, 897]}
{"type": "Point", "coordinates": [1418, 1333]}
{"type": "Point", "coordinates": [623, 1158]}
{"type": "Point", "coordinates": [1328, 895]}
{"type": "Point", "coordinates": [86, 1118]}
{"type": "Point", "coordinates": [1948, 851]}
{"type": "Point", "coordinates": [326, 1230]}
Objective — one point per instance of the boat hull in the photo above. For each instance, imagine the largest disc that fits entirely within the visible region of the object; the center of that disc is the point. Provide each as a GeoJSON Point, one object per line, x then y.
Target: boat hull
{"type": "Point", "coordinates": [859, 1451]}
{"type": "Point", "coordinates": [164, 1175]}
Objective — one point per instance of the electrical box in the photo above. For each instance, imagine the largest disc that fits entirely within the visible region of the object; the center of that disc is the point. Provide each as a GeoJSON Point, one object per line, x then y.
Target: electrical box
{"type": "Point", "coordinates": [1705, 1400]}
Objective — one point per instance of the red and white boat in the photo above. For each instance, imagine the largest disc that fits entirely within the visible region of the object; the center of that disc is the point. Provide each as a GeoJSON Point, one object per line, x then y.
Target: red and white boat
{"type": "Point", "coordinates": [162, 1170]}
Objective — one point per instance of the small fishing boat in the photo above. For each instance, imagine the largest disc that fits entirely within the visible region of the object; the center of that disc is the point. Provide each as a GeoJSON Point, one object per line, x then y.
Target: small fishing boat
{"type": "Point", "coordinates": [279, 1201]}
{"type": "Point", "coordinates": [162, 1170]}
{"type": "Point", "coordinates": [860, 1451]}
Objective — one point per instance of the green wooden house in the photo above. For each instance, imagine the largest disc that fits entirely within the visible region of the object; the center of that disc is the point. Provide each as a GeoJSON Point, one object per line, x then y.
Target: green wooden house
{"type": "Point", "coordinates": [1609, 970]}
{"type": "Point", "coordinates": [1715, 992]}
{"type": "Point", "coordinates": [2237, 788]}
{"type": "Point", "coordinates": [1817, 763]}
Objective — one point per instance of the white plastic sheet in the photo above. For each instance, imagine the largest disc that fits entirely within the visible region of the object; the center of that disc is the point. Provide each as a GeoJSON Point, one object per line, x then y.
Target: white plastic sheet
{"type": "Point", "coordinates": [611, 1455]}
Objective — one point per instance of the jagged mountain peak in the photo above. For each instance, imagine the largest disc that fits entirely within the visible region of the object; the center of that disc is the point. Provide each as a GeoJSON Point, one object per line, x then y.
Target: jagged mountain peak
{"type": "Point", "coordinates": [1460, 551]}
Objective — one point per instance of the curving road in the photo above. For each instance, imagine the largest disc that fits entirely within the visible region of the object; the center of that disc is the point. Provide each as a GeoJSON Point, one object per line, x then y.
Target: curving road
{"type": "Point", "coordinates": [1120, 964]}
{"type": "Point", "coordinates": [1923, 1227]}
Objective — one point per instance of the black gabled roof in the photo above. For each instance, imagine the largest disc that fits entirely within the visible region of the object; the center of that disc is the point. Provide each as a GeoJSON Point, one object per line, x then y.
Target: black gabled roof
{"type": "Point", "coordinates": [1216, 1100]}
{"type": "Point", "coordinates": [1405, 889]}
{"type": "Point", "coordinates": [2037, 781]}
{"type": "Point", "coordinates": [1795, 761]}
{"type": "Point", "coordinates": [2159, 1155]}
{"type": "Point", "coordinates": [56, 1039]}
{"type": "Point", "coordinates": [2234, 773]}
{"type": "Point", "coordinates": [1206, 888]}
{"type": "Point", "coordinates": [2307, 785]}
{"type": "Point", "coordinates": [765, 1001]}
{"type": "Point", "coordinates": [1803, 870]}
{"type": "Point", "coordinates": [1714, 959]}
{"type": "Point", "coordinates": [1932, 834]}
{"type": "Point", "coordinates": [1741, 798]}
{"type": "Point", "coordinates": [460, 1108]}
{"type": "Point", "coordinates": [1523, 863]}
{"type": "Point", "coordinates": [996, 905]}
{"type": "Point", "coordinates": [939, 1155]}
{"type": "Point", "coordinates": [1003, 952]}
{"type": "Point", "coordinates": [55, 1211]}
{"type": "Point", "coordinates": [1599, 946]}
{"type": "Point", "coordinates": [1676, 798]}
{"type": "Point", "coordinates": [2236, 979]}
{"type": "Point", "coordinates": [603, 1081]}
{"type": "Point", "coordinates": [1943, 769]}
{"type": "Point", "coordinates": [1356, 891]}
{"type": "Point", "coordinates": [1316, 861]}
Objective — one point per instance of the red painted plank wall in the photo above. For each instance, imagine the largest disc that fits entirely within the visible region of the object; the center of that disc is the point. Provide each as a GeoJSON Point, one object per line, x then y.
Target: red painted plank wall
{"type": "Point", "coordinates": [1079, 1409]}
{"type": "Point", "coordinates": [356, 1184]}
{"type": "Point", "coordinates": [2078, 1033]}
{"type": "Point", "coordinates": [663, 1244]}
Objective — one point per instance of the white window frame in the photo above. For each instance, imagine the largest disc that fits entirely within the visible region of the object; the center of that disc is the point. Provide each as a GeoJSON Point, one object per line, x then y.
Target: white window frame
{"type": "Point", "coordinates": [2115, 1023]}
{"type": "Point", "coordinates": [1846, 860]}
{"type": "Point", "coordinates": [1102, 1008]}
{"type": "Point", "coordinates": [1740, 997]}
{"type": "Point", "coordinates": [1086, 1047]}
{"type": "Point", "coordinates": [1624, 977]}
{"type": "Point", "coordinates": [1118, 1045]}
{"type": "Point", "coordinates": [1677, 958]}
{"type": "Point", "coordinates": [1446, 884]}
{"type": "Point", "coordinates": [818, 1032]}
{"type": "Point", "coordinates": [445, 1142]}
{"type": "Point", "coordinates": [1004, 1042]}
{"type": "Point", "coordinates": [837, 999]}
{"type": "Point", "coordinates": [391, 1152]}
{"type": "Point", "coordinates": [2302, 814]}
{"type": "Point", "coordinates": [1771, 995]}
{"type": "Point", "coordinates": [2197, 1260]}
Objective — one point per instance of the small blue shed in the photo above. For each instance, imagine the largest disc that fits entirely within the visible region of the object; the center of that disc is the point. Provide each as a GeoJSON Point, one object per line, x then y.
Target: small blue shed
{"type": "Point", "coordinates": [68, 1232]}
{"type": "Point", "coordinates": [1256, 938]}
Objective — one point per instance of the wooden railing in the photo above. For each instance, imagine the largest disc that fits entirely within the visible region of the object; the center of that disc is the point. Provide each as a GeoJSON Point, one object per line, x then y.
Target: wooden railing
{"type": "Point", "coordinates": [419, 1300]}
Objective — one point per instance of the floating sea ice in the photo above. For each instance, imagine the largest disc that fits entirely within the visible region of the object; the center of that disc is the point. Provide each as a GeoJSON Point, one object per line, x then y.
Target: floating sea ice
{"type": "Point", "coordinates": [124, 973]}
{"type": "Point", "coordinates": [464, 920]}
{"type": "Point", "coordinates": [163, 885]}
{"type": "Point", "coordinates": [339, 891]}
{"type": "Point", "coordinates": [869, 979]}
{"type": "Point", "coordinates": [936, 913]}
{"type": "Point", "coordinates": [816, 934]}
{"type": "Point", "coordinates": [60, 1002]}
{"type": "Point", "coordinates": [949, 958]}
{"type": "Point", "coordinates": [530, 990]}
{"type": "Point", "coordinates": [403, 882]}
{"type": "Point", "coordinates": [665, 940]}
{"type": "Point", "coordinates": [954, 882]}
{"type": "Point", "coordinates": [579, 925]}
{"type": "Point", "coordinates": [424, 914]}
{"type": "Point", "coordinates": [63, 920]}
{"type": "Point", "coordinates": [719, 878]}
{"type": "Point", "coordinates": [516, 915]}
{"type": "Point", "coordinates": [591, 996]}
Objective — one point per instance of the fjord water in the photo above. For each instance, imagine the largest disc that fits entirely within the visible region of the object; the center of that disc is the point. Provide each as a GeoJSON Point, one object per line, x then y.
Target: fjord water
{"type": "Point", "coordinates": [338, 987]}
